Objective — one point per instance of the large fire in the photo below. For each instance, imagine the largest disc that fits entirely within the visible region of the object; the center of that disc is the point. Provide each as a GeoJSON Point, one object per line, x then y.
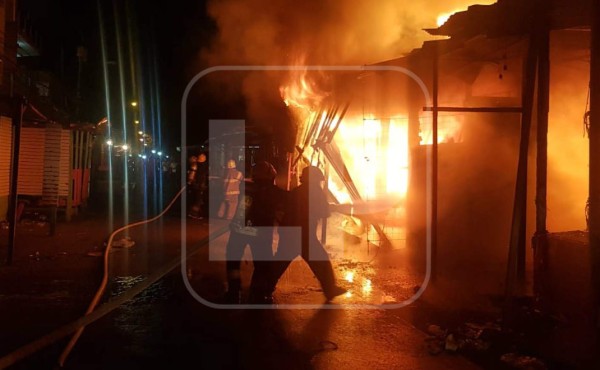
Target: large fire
{"type": "Point", "coordinates": [376, 153]}
{"type": "Point", "coordinates": [374, 150]}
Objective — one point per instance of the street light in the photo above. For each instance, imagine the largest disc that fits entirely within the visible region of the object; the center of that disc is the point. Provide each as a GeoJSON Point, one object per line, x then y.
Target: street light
{"type": "Point", "coordinates": [125, 147]}
{"type": "Point", "coordinates": [153, 151]}
{"type": "Point", "coordinates": [134, 104]}
{"type": "Point", "coordinates": [109, 142]}
{"type": "Point", "coordinates": [140, 132]}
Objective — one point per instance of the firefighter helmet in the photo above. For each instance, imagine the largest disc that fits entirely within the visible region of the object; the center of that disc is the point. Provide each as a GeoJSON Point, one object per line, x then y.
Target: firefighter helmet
{"type": "Point", "coordinates": [202, 158]}
{"type": "Point", "coordinates": [312, 173]}
{"type": "Point", "coordinates": [264, 171]}
{"type": "Point", "coordinates": [231, 163]}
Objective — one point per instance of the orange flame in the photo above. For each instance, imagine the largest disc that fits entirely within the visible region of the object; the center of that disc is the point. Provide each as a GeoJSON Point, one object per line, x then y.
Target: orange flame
{"type": "Point", "coordinates": [301, 91]}
{"type": "Point", "coordinates": [449, 130]}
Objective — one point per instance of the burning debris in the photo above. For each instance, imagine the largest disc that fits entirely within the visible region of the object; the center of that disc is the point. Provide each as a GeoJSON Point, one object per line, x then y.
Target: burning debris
{"type": "Point", "coordinates": [523, 362]}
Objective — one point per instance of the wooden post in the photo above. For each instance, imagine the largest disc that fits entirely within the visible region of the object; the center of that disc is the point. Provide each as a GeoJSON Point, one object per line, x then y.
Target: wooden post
{"type": "Point", "coordinates": [594, 133]}
{"type": "Point", "coordinates": [324, 220]}
{"type": "Point", "coordinates": [543, 106]}
{"type": "Point", "coordinates": [289, 171]}
{"type": "Point", "coordinates": [434, 169]}
{"type": "Point", "coordinates": [517, 231]}
{"type": "Point", "coordinates": [14, 178]}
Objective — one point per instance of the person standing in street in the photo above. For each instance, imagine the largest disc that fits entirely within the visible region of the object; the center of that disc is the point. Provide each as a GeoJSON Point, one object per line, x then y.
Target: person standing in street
{"type": "Point", "coordinates": [199, 188]}
{"type": "Point", "coordinates": [190, 181]}
{"type": "Point", "coordinates": [231, 191]}
{"type": "Point", "coordinates": [252, 225]}
{"type": "Point", "coordinates": [306, 205]}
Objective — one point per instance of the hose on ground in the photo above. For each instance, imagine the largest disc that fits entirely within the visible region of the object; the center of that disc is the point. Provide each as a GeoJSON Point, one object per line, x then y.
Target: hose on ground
{"type": "Point", "coordinates": [104, 282]}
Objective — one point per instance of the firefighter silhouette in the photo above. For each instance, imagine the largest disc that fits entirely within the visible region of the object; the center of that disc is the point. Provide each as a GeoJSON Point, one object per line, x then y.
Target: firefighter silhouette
{"type": "Point", "coordinates": [199, 185]}
{"type": "Point", "coordinates": [253, 225]}
{"type": "Point", "coordinates": [305, 206]}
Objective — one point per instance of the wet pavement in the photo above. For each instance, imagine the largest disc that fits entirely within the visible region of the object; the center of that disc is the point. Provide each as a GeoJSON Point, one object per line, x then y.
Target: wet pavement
{"type": "Point", "coordinates": [166, 327]}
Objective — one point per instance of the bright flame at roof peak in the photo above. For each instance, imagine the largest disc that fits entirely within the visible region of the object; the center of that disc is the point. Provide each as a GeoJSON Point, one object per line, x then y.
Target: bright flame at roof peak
{"type": "Point", "coordinates": [443, 18]}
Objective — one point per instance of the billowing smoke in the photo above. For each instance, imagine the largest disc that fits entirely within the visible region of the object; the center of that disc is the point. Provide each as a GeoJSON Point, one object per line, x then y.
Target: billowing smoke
{"type": "Point", "coordinates": [325, 31]}
{"type": "Point", "coordinates": [287, 32]}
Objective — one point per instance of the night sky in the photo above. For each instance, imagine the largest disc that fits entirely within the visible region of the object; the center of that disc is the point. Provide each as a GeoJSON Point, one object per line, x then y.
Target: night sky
{"type": "Point", "coordinates": [171, 33]}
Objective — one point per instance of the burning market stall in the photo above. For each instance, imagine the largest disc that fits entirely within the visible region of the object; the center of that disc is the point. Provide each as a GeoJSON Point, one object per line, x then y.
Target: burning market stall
{"type": "Point", "coordinates": [491, 86]}
{"type": "Point", "coordinates": [499, 57]}
{"type": "Point", "coordinates": [361, 144]}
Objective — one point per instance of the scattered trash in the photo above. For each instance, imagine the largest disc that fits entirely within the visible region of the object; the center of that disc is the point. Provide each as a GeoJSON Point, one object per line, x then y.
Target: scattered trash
{"type": "Point", "coordinates": [469, 337]}
{"type": "Point", "coordinates": [327, 345]}
{"type": "Point", "coordinates": [523, 362]}
{"type": "Point", "coordinates": [125, 242]}
{"type": "Point", "coordinates": [451, 343]}
{"type": "Point", "coordinates": [475, 345]}
{"type": "Point", "coordinates": [434, 346]}
{"type": "Point", "coordinates": [436, 331]}
{"type": "Point", "coordinates": [94, 254]}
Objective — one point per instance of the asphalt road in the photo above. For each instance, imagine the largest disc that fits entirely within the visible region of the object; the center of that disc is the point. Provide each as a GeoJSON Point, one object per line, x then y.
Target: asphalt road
{"type": "Point", "coordinates": [167, 327]}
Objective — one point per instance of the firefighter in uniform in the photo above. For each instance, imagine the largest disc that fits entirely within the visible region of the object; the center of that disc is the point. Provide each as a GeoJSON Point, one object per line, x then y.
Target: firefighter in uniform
{"type": "Point", "coordinates": [305, 206]}
{"type": "Point", "coordinates": [231, 186]}
{"type": "Point", "coordinates": [253, 225]}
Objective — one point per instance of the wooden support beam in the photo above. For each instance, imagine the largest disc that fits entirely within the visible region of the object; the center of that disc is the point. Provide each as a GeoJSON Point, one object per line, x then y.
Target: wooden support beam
{"type": "Point", "coordinates": [324, 219]}
{"type": "Point", "coordinates": [594, 171]}
{"type": "Point", "coordinates": [475, 109]}
{"type": "Point", "coordinates": [517, 230]}
{"type": "Point", "coordinates": [539, 242]}
{"type": "Point", "coordinates": [434, 170]}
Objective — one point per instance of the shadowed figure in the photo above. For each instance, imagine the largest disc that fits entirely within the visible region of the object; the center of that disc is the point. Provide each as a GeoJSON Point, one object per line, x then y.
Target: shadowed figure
{"type": "Point", "coordinates": [305, 206]}
{"type": "Point", "coordinates": [252, 225]}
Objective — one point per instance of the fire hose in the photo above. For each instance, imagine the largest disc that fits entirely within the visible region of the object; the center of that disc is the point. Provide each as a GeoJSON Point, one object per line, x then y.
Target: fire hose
{"type": "Point", "coordinates": [93, 314]}
{"type": "Point", "coordinates": [104, 282]}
